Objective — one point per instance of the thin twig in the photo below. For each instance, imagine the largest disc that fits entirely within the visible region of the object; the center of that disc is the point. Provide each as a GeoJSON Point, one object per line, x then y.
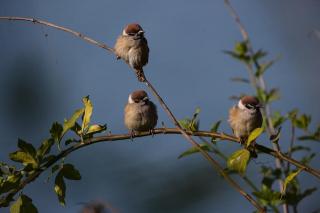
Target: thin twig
{"type": "Point", "coordinates": [49, 24]}
{"type": "Point", "coordinates": [293, 135]}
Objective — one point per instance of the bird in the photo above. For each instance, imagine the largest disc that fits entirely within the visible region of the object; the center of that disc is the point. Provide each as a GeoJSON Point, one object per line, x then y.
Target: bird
{"type": "Point", "coordinates": [140, 114]}
{"type": "Point", "coordinates": [245, 117]}
{"type": "Point", "coordinates": [132, 47]}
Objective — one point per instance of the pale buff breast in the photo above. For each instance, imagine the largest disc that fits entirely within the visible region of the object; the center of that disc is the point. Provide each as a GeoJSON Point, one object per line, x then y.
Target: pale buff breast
{"type": "Point", "coordinates": [140, 118]}
{"type": "Point", "coordinates": [242, 122]}
{"type": "Point", "coordinates": [134, 52]}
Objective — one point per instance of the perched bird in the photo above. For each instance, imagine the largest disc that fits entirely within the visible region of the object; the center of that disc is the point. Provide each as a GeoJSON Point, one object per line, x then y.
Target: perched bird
{"type": "Point", "coordinates": [133, 48]}
{"type": "Point", "coordinates": [245, 117]}
{"type": "Point", "coordinates": [140, 114]}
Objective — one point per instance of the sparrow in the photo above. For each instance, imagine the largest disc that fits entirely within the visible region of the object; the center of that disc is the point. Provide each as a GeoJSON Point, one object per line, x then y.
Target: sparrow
{"type": "Point", "coordinates": [245, 117]}
{"type": "Point", "coordinates": [133, 48]}
{"type": "Point", "coordinates": [140, 114]}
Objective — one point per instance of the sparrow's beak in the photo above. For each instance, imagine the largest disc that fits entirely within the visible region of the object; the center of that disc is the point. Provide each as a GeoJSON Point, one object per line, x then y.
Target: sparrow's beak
{"type": "Point", "coordinates": [141, 32]}
{"type": "Point", "coordinates": [145, 99]}
{"type": "Point", "coordinates": [260, 106]}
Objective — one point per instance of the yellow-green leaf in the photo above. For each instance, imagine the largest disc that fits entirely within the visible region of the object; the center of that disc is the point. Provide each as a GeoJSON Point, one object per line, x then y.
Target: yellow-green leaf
{"type": "Point", "coordinates": [238, 161]}
{"type": "Point", "coordinates": [70, 172]}
{"type": "Point", "coordinates": [26, 147]}
{"type": "Point", "coordinates": [23, 205]}
{"type": "Point", "coordinates": [193, 150]}
{"type": "Point", "coordinates": [56, 131]}
{"type": "Point", "coordinates": [24, 158]}
{"type": "Point", "coordinates": [45, 148]}
{"type": "Point", "coordinates": [253, 135]}
{"type": "Point", "coordinates": [68, 124]}
{"type": "Point", "coordinates": [288, 179]}
{"type": "Point", "coordinates": [87, 114]}
{"type": "Point", "coordinates": [60, 188]}
{"type": "Point", "coordinates": [96, 128]}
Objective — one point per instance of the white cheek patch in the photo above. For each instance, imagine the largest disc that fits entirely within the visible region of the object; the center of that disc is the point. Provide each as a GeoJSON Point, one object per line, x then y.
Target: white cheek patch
{"type": "Point", "coordinates": [130, 101]}
{"type": "Point", "coordinates": [124, 33]}
{"type": "Point", "coordinates": [241, 106]}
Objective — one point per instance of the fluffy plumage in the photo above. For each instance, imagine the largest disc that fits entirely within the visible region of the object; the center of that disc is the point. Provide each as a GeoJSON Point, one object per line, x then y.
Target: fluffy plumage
{"type": "Point", "coordinates": [133, 48]}
{"type": "Point", "coordinates": [245, 117]}
{"type": "Point", "coordinates": [140, 114]}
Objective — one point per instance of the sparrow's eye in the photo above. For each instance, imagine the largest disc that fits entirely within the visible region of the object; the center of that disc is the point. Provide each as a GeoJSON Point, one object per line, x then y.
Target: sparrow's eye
{"type": "Point", "coordinates": [249, 106]}
{"type": "Point", "coordinates": [131, 34]}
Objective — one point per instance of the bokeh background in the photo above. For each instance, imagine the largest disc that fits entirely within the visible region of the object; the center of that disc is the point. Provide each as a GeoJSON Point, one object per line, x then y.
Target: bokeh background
{"type": "Point", "coordinates": [46, 72]}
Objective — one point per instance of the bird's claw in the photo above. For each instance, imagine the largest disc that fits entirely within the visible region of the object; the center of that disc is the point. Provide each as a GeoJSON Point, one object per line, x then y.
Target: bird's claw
{"type": "Point", "coordinates": [132, 134]}
{"type": "Point", "coordinates": [152, 132]}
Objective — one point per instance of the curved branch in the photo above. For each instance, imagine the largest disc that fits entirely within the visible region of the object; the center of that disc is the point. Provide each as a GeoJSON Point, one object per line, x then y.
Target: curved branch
{"type": "Point", "coordinates": [118, 137]}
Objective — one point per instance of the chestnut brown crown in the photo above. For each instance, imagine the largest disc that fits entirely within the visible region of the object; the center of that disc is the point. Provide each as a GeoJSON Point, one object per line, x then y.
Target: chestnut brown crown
{"type": "Point", "coordinates": [133, 29]}
{"type": "Point", "coordinates": [250, 102]}
{"type": "Point", "coordinates": [139, 95]}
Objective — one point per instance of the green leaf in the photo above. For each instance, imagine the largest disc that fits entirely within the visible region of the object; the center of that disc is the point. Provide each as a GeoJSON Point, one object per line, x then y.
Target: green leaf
{"type": "Point", "coordinates": [238, 161]}
{"type": "Point", "coordinates": [87, 114]}
{"type": "Point", "coordinates": [300, 148]}
{"type": "Point", "coordinates": [258, 55]}
{"type": "Point", "coordinates": [263, 67]}
{"type": "Point", "coordinates": [23, 205]}
{"type": "Point", "coordinates": [56, 131]}
{"type": "Point", "coordinates": [214, 129]}
{"type": "Point", "coordinates": [76, 129]}
{"type": "Point", "coordinates": [193, 150]}
{"type": "Point", "coordinates": [273, 95]}
{"type": "Point", "coordinates": [288, 179]}
{"type": "Point", "coordinates": [241, 80]}
{"type": "Point", "coordinates": [24, 158]}
{"type": "Point", "coordinates": [262, 96]}
{"type": "Point", "coordinates": [96, 128]}
{"type": "Point", "coordinates": [307, 159]}
{"type": "Point", "coordinates": [278, 119]}
{"type": "Point", "coordinates": [45, 148]}
{"type": "Point", "coordinates": [184, 123]}
{"type": "Point", "coordinates": [302, 122]}
{"type": "Point", "coordinates": [60, 188]}
{"type": "Point", "coordinates": [215, 126]}
{"type": "Point", "coordinates": [276, 137]}
{"type": "Point", "coordinates": [191, 124]}
{"type": "Point", "coordinates": [241, 48]}
{"type": "Point", "coordinates": [311, 137]}
{"type": "Point", "coordinates": [70, 172]}
{"type": "Point", "coordinates": [268, 197]}
{"type": "Point", "coordinates": [11, 182]}
{"type": "Point", "coordinates": [242, 58]}
{"type": "Point", "coordinates": [26, 147]}
{"type": "Point", "coordinates": [68, 124]}
{"type": "Point", "coordinates": [253, 135]}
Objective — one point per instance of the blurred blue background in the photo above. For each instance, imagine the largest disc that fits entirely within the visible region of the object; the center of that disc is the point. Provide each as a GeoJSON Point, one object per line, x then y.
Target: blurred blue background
{"type": "Point", "coordinates": [46, 72]}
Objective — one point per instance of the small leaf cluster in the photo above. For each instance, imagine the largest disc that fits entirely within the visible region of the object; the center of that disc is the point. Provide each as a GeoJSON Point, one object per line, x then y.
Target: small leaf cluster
{"type": "Point", "coordinates": [34, 160]}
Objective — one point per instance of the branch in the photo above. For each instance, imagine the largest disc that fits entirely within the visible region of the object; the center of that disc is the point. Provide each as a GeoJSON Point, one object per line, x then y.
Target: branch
{"type": "Point", "coordinates": [49, 24]}
{"type": "Point", "coordinates": [214, 163]}
{"type": "Point", "coordinates": [118, 137]}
